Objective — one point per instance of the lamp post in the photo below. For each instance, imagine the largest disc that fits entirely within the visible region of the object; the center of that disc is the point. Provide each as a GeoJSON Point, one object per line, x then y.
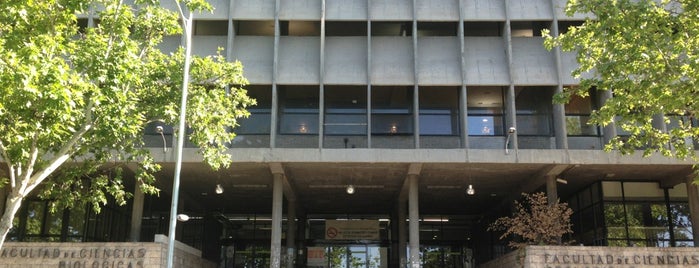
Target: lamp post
{"type": "Point", "coordinates": [187, 25]}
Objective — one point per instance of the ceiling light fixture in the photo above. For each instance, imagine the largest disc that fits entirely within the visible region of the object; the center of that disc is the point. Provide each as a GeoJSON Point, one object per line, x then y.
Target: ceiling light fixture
{"type": "Point", "coordinates": [470, 190]}
{"type": "Point", "coordinates": [350, 189]}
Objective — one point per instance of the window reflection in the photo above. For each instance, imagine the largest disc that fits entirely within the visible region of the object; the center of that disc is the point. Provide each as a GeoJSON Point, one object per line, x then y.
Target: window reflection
{"type": "Point", "coordinates": [298, 109]}
{"type": "Point", "coordinates": [391, 111]}
{"type": "Point", "coordinates": [345, 110]}
{"type": "Point", "coordinates": [485, 111]}
{"type": "Point", "coordinates": [578, 112]}
{"type": "Point", "coordinates": [260, 115]}
{"type": "Point", "coordinates": [533, 110]}
{"type": "Point", "coordinates": [439, 111]}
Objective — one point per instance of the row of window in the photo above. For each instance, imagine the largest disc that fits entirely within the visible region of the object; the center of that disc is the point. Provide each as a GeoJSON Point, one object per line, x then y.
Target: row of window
{"type": "Point", "coordinates": [379, 28]}
{"type": "Point", "coordinates": [345, 111]}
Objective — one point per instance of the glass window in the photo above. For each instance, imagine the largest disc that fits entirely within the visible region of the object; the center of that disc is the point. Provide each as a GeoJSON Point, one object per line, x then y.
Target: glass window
{"type": "Point", "coordinates": [210, 27]}
{"type": "Point", "coordinates": [345, 110]}
{"type": "Point", "coordinates": [298, 110]}
{"type": "Point", "coordinates": [391, 28]}
{"type": "Point", "coordinates": [615, 221]}
{"type": "Point", "coordinates": [439, 111]}
{"type": "Point", "coordinates": [682, 224]}
{"type": "Point", "coordinates": [345, 28]}
{"type": "Point", "coordinates": [255, 28]}
{"type": "Point", "coordinates": [485, 111]}
{"type": "Point", "coordinates": [533, 110]}
{"type": "Point", "coordinates": [260, 115]}
{"type": "Point", "coordinates": [391, 110]}
{"type": "Point", "coordinates": [578, 112]}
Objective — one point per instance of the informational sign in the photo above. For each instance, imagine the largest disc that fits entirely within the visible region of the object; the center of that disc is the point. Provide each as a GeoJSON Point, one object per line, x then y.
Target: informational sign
{"type": "Point", "coordinates": [316, 257]}
{"type": "Point", "coordinates": [352, 230]}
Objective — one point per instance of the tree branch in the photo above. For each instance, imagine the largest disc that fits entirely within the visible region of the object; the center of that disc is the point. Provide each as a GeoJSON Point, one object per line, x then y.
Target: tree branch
{"type": "Point", "coordinates": [10, 166]}
{"type": "Point", "coordinates": [64, 153]}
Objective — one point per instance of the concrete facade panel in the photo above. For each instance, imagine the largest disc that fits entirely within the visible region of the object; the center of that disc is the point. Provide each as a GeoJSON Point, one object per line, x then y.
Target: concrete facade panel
{"type": "Point", "coordinates": [537, 142]}
{"type": "Point", "coordinates": [346, 60]}
{"type": "Point", "coordinates": [439, 62]}
{"type": "Point", "coordinates": [253, 9]}
{"type": "Point", "coordinates": [257, 55]}
{"type": "Point", "coordinates": [299, 9]}
{"type": "Point", "coordinates": [478, 142]}
{"type": "Point", "coordinates": [438, 10]}
{"type": "Point", "coordinates": [250, 141]}
{"type": "Point", "coordinates": [486, 61]}
{"type": "Point", "coordinates": [568, 64]}
{"type": "Point", "coordinates": [440, 142]}
{"type": "Point", "coordinates": [299, 60]}
{"type": "Point", "coordinates": [585, 143]}
{"type": "Point", "coordinates": [297, 141]}
{"type": "Point", "coordinates": [393, 142]}
{"type": "Point", "coordinates": [560, 6]}
{"type": "Point", "coordinates": [220, 9]}
{"type": "Point", "coordinates": [532, 64]}
{"type": "Point", "coordinates": [392, 61]}
{"type": "Point", "coordinates": [208, 45]}
{"type": "Point", "coordinates": [339, 141]}
{"type": "Point", "coordinates": [391, 10]}
{"type": "Point", "coordinates": [170, 44]}
{"type": "Point", "coordinates": [484, 10]}
{"type": "Point", "coordinates": [530, 10]}
{"type": "Point", "coordinates": [346, 10]}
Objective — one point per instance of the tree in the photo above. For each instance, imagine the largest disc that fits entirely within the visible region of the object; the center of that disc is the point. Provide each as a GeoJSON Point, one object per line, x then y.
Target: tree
{"type": "Point", "coordinates": [645, 52]}
{"type": "Point", "coordinates": [72, 98]}
{"type": "Point", "coordinates": [535, 221]}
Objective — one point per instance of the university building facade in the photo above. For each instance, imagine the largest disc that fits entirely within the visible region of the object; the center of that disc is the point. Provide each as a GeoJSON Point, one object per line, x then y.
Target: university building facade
{"type": "Point", "coordinates": [389, 133]}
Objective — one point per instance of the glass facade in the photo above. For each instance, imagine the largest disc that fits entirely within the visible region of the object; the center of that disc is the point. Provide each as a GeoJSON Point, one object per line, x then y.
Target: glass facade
{"type": "Point", "coordinates": [615, 213]}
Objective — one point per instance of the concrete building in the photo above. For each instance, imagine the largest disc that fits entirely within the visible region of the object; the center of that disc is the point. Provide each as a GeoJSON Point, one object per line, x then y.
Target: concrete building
{"type": "Point", "coordinates": [409, 103]}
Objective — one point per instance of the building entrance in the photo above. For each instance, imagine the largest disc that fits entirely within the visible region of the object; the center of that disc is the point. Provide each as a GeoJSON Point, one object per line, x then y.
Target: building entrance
{"type": "Point", "coordinates": [348, 256]}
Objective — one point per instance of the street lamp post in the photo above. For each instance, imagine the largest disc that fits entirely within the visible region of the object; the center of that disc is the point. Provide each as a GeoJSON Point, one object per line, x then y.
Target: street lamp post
{"type": "Point", "coordinates": [187, 25]}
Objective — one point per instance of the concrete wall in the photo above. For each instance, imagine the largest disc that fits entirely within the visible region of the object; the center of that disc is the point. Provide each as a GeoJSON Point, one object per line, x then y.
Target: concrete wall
{"type": "Point", "coordinates": [611, 257]}
{"type": "Point", "coordinates": [80, 255]}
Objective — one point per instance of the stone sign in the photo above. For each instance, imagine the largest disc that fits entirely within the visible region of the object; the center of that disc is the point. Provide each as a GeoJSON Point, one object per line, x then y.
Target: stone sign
{"type": "Point", "coordinates": [597, 257]}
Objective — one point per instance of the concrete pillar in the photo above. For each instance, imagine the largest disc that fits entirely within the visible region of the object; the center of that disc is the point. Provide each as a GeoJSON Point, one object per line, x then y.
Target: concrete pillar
{"type": "Point", "coordinates": [693, 198]}
{"type": "Point", "coordinates": [551, 189]}
{"type": "Point", "coordinates": [609, 130]}
{"type": "Point", "coordinates": [414, 227]}
{"type": "Point", "coordinates": [136, 213]}
{"type": "Point", "coordinates": [402, 241]}
{"type": "Point", "coordinates": [277, 202]}
{"type": "Point", "coordinates": [291, 231]}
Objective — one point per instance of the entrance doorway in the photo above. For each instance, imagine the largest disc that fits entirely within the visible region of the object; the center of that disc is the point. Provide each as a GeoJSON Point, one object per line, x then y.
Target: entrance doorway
{"type": "Point", "coordinates": [348, 256]}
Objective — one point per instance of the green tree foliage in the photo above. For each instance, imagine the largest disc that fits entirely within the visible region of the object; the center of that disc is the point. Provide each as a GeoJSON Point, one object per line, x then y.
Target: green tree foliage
{"type": "Point", "coordinates": [73, 99]}
{"type": "Point", "coordinates": [647, 53]}
{"type": "Point", "coordinates": [535, 222]}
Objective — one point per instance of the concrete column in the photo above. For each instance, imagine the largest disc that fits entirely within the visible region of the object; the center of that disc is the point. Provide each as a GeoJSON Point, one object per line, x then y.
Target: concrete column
{"type": "Point", "coordinates": [291, 231]}
{"type": "Point", "coordinates": [510, 109]}
{"type": "Point", "coordinates": [414, 226]}
{"type": "Point", "coordinates": [136, 213]}
{"type": "Point", "coordinates": [321, 93]}
{"type": "Point", "coordinates": [693, 198]}
{"type": "Point", "coordinates": [275, 73]}
{"type": "Point", "coordinates": [559, 112]}
{"type": "Point", "coordinates": [609, 130]}
{"type": "Point", "coordinates": [277, 202]}
{"type": "Point", "coordinates": [551, 189]}
{"type": "Point", "coordinates": [402, 254]}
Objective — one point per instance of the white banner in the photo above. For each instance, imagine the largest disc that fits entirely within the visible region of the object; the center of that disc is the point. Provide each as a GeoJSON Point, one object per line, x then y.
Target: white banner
{"type": "Point", "coordinates": [352, 230]}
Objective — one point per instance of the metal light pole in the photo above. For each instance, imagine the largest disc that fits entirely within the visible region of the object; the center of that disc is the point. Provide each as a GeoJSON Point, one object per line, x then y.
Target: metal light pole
{"type": "Point", "coordinates": [187, 25]}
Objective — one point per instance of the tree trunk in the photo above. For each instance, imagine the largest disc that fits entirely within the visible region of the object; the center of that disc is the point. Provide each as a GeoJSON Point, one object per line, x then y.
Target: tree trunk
{"type": "Point", "coordinates": [12, 204]}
